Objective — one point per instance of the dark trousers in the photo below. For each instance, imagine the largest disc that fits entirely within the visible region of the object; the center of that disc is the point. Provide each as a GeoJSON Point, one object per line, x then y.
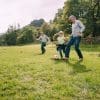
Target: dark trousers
{"type": "Point", "coordinates": [73, 41]}
{"type": "Point", "coordinates": [61, 50]}
{"type": "Point", "coordinates": [43, 44]}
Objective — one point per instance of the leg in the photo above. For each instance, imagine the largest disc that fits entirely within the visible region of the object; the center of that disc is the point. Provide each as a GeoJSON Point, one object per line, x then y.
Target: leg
{"type": "Point", "coordinates": [63, 48]}
{"type": "Point", "coordinates": [43, 47]}
{"type": "Point", "coordinates": [60, 51]}
{"type": "Point", "coordinates": [67, 48]}
{"type": "Point", "coordinates": [77, 43]}
{"type": "Point", "coordinates": [61, 55]}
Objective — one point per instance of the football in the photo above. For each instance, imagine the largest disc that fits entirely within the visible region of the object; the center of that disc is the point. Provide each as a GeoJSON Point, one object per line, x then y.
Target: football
{"type": "Point", "coordinates": [55, 56]}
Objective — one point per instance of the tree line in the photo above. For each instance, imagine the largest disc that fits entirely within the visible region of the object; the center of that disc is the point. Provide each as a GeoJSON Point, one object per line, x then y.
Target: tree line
{"type": "Point", "coordinates": [86, 10]}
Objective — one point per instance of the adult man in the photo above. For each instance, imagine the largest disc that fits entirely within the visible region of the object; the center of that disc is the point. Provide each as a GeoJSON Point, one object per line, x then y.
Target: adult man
{"type": "Point", "coordinates": [77, 29]}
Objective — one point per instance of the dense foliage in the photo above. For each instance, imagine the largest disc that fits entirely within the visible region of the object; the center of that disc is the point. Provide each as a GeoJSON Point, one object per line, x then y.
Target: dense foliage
{"type": "Point", "coordinates": [86, 10]}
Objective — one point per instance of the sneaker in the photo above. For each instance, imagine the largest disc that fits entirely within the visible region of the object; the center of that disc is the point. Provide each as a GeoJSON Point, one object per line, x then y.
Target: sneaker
{"type": "Point", "coordinates": [65, 59]}
{"type": "Point", "coordinates": [80, 59]}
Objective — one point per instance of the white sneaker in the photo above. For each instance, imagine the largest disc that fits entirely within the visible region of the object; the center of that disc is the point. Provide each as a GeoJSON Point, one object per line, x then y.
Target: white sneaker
{"type": "Point", "coordinates": [80, 59]}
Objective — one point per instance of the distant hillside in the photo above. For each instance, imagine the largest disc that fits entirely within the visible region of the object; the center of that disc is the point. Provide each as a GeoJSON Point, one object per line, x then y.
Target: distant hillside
{"type": "Point", "coordinates": [24, 35]}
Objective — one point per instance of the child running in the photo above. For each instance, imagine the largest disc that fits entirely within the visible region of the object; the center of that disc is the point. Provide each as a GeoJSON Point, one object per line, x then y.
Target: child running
{"type": "Point", "coordinates": [43, 39]}
{"type": "Point", "coordinates": [60, 45]}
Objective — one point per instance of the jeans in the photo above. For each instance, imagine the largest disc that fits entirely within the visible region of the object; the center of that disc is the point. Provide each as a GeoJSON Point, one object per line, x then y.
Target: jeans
{"type": "Point", "coordinates": [43, 44]}
{"type": "Point", "coordinates": [76, 42]}
{"type": "Point", "coordinates": [61, 50]}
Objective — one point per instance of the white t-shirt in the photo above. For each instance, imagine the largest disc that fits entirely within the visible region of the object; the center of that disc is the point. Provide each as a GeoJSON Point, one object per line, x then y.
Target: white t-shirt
{"type": "Point", "coordinates": [61, 40]}
{"type": "Point", "coordinates": [44, 38]}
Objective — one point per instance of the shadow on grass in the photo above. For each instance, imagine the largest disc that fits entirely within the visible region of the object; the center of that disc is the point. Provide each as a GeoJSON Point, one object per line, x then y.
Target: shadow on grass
{"type": "Point", "coordinates": [77, 67]}
{"type": "Point", "coordinates": [57, 61]}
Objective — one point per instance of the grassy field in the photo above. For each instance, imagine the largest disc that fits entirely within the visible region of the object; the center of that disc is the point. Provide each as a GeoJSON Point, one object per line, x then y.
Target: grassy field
{"type": "Point", "coordinates": [27, 75]}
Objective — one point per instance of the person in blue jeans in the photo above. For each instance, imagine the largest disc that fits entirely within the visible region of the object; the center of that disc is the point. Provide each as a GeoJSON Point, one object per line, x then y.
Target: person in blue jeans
{"type": "Point", "coordinates": [77, 29]}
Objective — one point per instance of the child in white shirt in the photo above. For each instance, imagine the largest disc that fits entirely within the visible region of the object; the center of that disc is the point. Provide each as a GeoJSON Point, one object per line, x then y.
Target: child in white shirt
{"type": "Point", "coordinates": [60, 45]}
{"type": "Point", "coordinates": [43, 39]}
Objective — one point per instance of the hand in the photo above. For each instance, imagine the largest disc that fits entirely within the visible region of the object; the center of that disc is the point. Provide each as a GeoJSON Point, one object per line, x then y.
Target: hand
{"type": "Point", "coordinates": [80, 34]}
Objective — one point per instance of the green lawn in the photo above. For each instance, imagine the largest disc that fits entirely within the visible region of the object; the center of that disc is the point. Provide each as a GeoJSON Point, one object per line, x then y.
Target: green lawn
{"type": "Point", "coordinates": [27, 75]}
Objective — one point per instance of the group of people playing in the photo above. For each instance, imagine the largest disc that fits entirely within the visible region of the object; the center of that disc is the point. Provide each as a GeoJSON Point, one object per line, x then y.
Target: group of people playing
{"type": "Point", "coordinates": [63, 46]}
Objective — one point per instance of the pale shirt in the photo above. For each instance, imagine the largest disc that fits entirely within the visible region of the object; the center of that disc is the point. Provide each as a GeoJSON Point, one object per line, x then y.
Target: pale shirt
{"type": "Point", "coordinates": [44, 38]}
{"type": "Point", "coordinates": [61, 40]}
{"type": "Point", "coordinates": [77, 28]}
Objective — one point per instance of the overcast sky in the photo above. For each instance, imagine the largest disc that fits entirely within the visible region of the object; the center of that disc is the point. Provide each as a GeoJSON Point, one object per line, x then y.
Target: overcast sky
{"type": "Point", "coordinates": [24, 11]}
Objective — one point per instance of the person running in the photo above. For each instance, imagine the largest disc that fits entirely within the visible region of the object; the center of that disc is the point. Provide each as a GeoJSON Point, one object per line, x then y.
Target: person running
{"type": "Point", "coordinates": [43, 39]}
{"type": "Point", "coordinates": [77, 29]}
{"type": "Point", "coordinates": [60, 45]}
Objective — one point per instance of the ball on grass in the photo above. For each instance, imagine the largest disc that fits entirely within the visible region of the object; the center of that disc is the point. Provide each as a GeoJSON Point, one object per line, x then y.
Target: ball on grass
{"type": "Point", "coordinates": [56, 56]}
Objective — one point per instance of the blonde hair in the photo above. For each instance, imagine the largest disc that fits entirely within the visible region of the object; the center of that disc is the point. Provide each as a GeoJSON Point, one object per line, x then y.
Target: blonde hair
{"type": "Point", "coordinates": [61, 32]}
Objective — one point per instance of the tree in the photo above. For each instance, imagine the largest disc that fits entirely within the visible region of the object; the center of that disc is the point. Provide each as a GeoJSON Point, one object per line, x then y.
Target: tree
{"type": "Point", "coordinates": [46, 28]}
{"type": "Point", "coordinates": [2, 39]}
{"type": "Point", "coordinates": [11, 38]}
{"type": "Point", "coordinates": [25, 37]}
{"type": "Point", "coordinates": [94, 11]}
{"type": "Point", "coordinates": [37, 23]}
{"type": "Point", "coordinates": [87, 10]}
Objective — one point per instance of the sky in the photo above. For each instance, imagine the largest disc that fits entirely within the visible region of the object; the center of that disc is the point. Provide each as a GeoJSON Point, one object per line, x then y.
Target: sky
{"type": "Point", "coordinates": [23, 12]}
